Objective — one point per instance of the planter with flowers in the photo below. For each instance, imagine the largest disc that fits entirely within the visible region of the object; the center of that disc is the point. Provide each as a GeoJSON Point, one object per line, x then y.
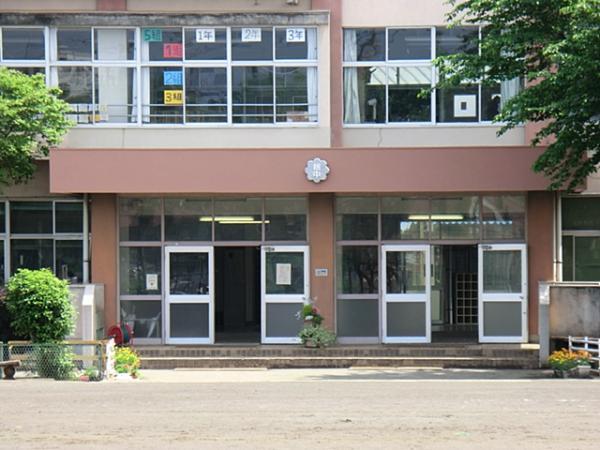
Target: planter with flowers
{"type": "Point", "coordinates": [313, 335]}
{"type": "Point", "coordinates": [567, 363]}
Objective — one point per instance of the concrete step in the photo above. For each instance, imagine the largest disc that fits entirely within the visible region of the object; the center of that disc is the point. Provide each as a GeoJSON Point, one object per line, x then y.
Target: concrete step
{"type": "Point", "coordinates": [337, 362]}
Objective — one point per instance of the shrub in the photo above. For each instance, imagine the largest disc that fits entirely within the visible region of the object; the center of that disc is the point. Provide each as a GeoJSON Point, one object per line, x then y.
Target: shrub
{"type": "Point", "coordinates": [564, 359]}
{"type": "Point", "coordinates": [39, 305]}
{"type": "Point", "coordinates": [54, 361]}
{"type": "Point", "coordinates": [127, 361]}
{"type": "Point", "coordinates": [317, 335]}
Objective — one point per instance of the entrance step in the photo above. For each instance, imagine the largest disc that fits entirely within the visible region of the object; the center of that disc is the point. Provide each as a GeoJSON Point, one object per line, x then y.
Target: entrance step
{"type": "Point", "coordinates": [439, 356]}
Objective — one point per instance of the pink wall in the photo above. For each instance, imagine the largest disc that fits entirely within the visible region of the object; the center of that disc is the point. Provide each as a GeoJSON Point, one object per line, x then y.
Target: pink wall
{"type": "Point", "coordinates": [282, 170]}
{"type": "Point", "coordinates": [111, 5]}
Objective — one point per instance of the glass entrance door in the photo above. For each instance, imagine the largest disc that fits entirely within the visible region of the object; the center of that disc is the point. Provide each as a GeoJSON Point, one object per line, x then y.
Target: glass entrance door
{"type": "Point", "coordinates": [406, 288]}
{"type": "Point", "coordinates": [503, 293]}
{"type": "Point", "coordinates": [189, 295]}
{"type": "Point", "coordinates": [284, 291]}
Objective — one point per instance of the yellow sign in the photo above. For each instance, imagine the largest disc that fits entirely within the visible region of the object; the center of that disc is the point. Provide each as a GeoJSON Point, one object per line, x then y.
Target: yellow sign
{"type": "Point", "coordinates": [173, 98]}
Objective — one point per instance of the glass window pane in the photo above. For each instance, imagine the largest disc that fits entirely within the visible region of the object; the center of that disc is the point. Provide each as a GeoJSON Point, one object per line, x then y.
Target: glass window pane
{"type": "Point", "coordinates": [296, 94]}
{"type": "Point", "coordinates": [115, 94]}
{"type": "Point", "coordinates": [289, 44]}
{"type": "Point", "coordinates": [162, 44]}
{"type": "Point", "coordinates": [30, 217]}
{"type": "Point", "coordinates": [114, 44]}
{"type": "Point", "coordinates": [23, 43]}
{"type": "Point", "coordinates": [356, 218]}
{"type": "Point", "coordinates": [2, 262]}
{"type": "Point", "coordinates": [364, 94]}
{"type": "Point", "coordinates": [188, 219]}
{"type": "Point", "coordinates": [164, 85]}
{"type": "Point", "coordinates": [139, 267]}
{"type": "Point", "coordinates": [581, 213]}
{"type": "Point", "coordinates": [139, 219]}
{"type": "Point", "coordinates": [252, 94]}
{"type": "Point", "coordinates": [504, 217]}
{"type": "Point", "coordinates": [69, 260]}
{"type": "Point", "coordinates": [405, 272]}
{"type": "Point", "coordinates": [74, 44]}
{"type": "Point", "coordinates": [2, 217]}
{"type": "Point", "coordinates": [238, 219]}
{"type": "Point", "coordinates": [206, 95]}
{"type": "Point", "coordinates": [455, 218]}
{"type": "Point", "coordinates": [406, 104]}
{"type": "Point", "coordinates": [29, 70]}
{"type": "Point", "coordinates": [502, 271]}
{"type": "Point", "coordinates": [76, 86]}
{"type": "Point", "coordinates": [567, 256]}
{"type": "Point", "coordinates": [31, 254]}
{"type": "Point", "coordinates": [252, 44]}
{"type": "Point", "coordinates": [409, 43]}
{"type": "Point", "coordinates": [404, 218]}
{"type": "Point", "coordinates": [490, 102]}
{"type": "Point", "coordinates": [144, 317]}
{"type": "Point", "coordinates": [587, 258]}
{"type": "Point", "coordinates": [188, 274]}
{"type": "Point", "coordinates": [456, 40]}
{"type": "Point", "coordinates": [285, 273]}
{"type": "Point", "coordinates": [357, 270]}
{"type": "Point", "coordinates": [364, 44]}
{"type": "Point", "coordinates": [69, 217]}
{"type": "Point", "coordinates": [459, 104]}
{"type": "Point", "coordinates": [285, 219]}
{"type": "Point", "coordinates": [198, 45]}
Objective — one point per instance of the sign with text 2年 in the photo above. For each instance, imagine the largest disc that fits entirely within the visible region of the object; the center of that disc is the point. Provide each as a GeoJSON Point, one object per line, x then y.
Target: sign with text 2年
{"type": "Point", "coordinates": [173, 97]}
{"type": "Point", "coordinates": [172, 50]}
{"type": "Point", "coordinates": [152, 34]}
{"type": "Point", "coordinates": [205, 35]}
{"type": "Point", "coordinates": [173, 78]}
{"type": "Point", "coordinates": [295, 35]}
{"type": "Point", "coordinates": [251, 35]}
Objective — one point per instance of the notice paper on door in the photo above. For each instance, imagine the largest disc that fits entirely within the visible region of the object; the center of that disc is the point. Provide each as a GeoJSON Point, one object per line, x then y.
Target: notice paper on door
{"type": "Point", "coordinates": [151, 281]}
{"type": "Point", "coordinates": [283, 275]}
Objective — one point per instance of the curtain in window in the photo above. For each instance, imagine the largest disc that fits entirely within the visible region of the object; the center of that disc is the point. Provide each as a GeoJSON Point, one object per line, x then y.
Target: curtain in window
{"type": "Point", "coordinates": [508, 89]}
{"type": "Point", "coordinates": [312, 78]}
{"type": "Point", "coordinates": [351, 100]}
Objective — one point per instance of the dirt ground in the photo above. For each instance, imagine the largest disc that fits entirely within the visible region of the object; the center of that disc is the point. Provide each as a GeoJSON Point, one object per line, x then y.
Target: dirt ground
{"type": "Point", "coordinates": [345, 409]}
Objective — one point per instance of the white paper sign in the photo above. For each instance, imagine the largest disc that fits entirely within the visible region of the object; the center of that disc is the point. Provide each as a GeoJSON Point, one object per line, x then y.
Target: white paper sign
{"type": "Point", "coordinates": [283, 274]}
{"type": "Point", "coordinates": [205, 35]}
{"type": "Point", "coordinates": [465, 106]}
{"type": "Point", "coordinates": [151, 281]}
{"type": "Point", "coordinates": [295, 35]}
{"type": "Point", "coordinates": [251, 35]}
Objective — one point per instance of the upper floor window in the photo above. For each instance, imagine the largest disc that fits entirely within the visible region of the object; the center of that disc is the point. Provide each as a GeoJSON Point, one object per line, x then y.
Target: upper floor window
{"type": "Point", "coordinates": [174, 75]}
{"type": "Point", "coordinates": [386, 73]}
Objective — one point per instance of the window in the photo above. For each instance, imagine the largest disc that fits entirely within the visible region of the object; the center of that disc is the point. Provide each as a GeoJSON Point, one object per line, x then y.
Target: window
{"type": "Point", "coordinates": [356, 218]}
{"type": "Point", "coordinates": [581, 238]}
{"type": "Point", "coordinates": [285, 219]}
{"type": "Point", "coordinates": [388, 74]}
{"type": "Point", "coordinates": [23, 44]}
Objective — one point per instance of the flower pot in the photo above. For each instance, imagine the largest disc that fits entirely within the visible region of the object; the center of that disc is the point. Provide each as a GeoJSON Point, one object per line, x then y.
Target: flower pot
{"type": "Point", "coordinates": [309, 343]}
{"type": "Point", "coordinates": [559, 373]}
{"type": "Point", "coordinates": [583, 371]}
{"type": "Point", "coordinates": [84, 378]}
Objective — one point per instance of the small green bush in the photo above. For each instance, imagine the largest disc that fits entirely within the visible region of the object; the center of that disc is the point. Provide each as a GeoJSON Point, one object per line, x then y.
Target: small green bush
{"type": "Point", "coordinates": [54, 361]}
{"type": "Point", "coordinates": [317, 335]}
{"type": "Point", "coordinates": [39, 305]}
{"type": "Point", "coordinates": [127, 361]}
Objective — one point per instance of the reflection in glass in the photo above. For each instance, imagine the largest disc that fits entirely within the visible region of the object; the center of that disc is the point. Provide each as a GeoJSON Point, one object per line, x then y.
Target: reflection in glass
{"type": "Point", "coordinates": [144, 317]}
{"type": "Point", "coordinates": [69, 260]}
{"type": "Point", "coordinates": [31, 254]}
{"type": "Point", "coordinates": [576, 213]}
{"type": "Point", "coordinates": [238, 219]}
{"type": "Point", "coordinates": [587, 258]}
{"type": "Point", "coordinates": [248, 45]}
{"type": "Point", "coordinates": [252, 93]}
{"type": "Point", "coordinates": [205, 95]}
{"type": "Point", "coordinates": [139, 267]}
{"type": "Point", "coordinates": [296, 94]}
{"type": "Point", "coordinates": [139, 219]}
{"type": "Point", "coordinates": [208, 51]}
{"type": "Point", "coordinates": [162, 44]}
{"type": "Point", "coordinates": [358, 270]}
{"type": "Point", "coordinates": [285, 273]}
{"type": "Point", "coordinates": [356, 218]}
{"type": "Point", "coordinates": [567, 251]}
{"type": "Point", "coordinates": [502, 271]}
{"type": "Point", "coordinates": [364, 44]}
{"type": "Point", "coordinates": [504, 217]}
{"type": "Point", "coordinates": [188, 219]}
{"type": "Point", "coordinates": [165, 102]}
{"type": "Point", "coordinates": [285, 219]}
{"type": "Point", "coordinates": [406, 103]}
{"type": "Point", "coordinates": [455, 218]}
{"type": "Point", "coordinates": [74, 44]}
{"type": "Point", "coordinates": [115, 94]}
{"type": "Point", "coordinates": [454, 40]}
{"type": "Point", "coordinates": [23, 43]}
{"type": "Point", "coordinates": [409, 43]}
{"type": "Point", "coordinates": [116, 44]}
{"type": "Point", "coordinates": [30, 217]}
{"type": "Point", "coordinates": [364, 94]}
{"type": "Point", "coordinates": [188, 274]}
{"type": "Point", "coordinates": [2, 262]}
{"type": "Point", "coordinates": [69, 217]}
{"type": "Point", "coordinates": [404, 218]}
{"type": "Point", "coordinates": [405, 272]}
{"type": "Point", "coordinates": [296, 50]}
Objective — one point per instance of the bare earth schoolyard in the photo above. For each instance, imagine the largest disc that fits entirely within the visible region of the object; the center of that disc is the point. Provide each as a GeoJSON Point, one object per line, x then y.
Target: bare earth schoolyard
{"type": "Point", "coordinates": [302, 409]}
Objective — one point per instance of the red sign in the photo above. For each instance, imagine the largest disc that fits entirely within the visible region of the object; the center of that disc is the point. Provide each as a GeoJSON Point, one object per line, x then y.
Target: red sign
{"type": "Point", "coordinates": [172, 51]}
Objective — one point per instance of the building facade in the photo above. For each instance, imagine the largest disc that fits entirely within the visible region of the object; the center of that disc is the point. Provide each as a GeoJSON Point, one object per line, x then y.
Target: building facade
{"type": "Point", "coordinates": [234, 160]}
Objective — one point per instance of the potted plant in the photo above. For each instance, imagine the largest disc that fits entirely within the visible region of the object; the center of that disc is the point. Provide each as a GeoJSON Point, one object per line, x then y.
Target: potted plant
{"type": "Point", "coordinates": [566, 362]}
{"type": "Point", "coordinates": [315, 336]}
{"type": "Point", "coordinates": [311, 316]}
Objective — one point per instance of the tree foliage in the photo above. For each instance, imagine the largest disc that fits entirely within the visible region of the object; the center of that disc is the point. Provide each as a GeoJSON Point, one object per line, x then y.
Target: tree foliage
{"type": "Point", "coordinates": [554, 46]}
{"type": "Point", "coordinates": [32, 119]}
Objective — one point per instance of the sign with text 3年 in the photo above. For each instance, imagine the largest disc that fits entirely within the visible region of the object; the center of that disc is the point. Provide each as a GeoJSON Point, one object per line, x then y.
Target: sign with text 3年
{"type": "Point", "coordinates": [295, 35]}
{"type": "Point", "coordinates": [205, 35]}
{"type": "Point", "coordinates": [251, 35]}
{"type": "Point", "coordinates": [173, 78]}
{"type": "Point", "coordinates": [152, 34]}
{"type": "Point", "coordinates": [173, 98]}
{"type": "Point", "coordinates": [172, 50]}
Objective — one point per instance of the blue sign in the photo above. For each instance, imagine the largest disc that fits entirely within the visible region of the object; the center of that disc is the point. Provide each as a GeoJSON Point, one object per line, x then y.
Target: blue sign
{"type": "Point", "coordinates": [173, 78]}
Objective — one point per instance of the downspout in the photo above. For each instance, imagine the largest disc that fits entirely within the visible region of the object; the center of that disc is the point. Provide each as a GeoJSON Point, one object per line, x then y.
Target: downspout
{"type": "Point", "coordinates": [557, 250]}
{"type": "Point", "coordinates": [86, 240]}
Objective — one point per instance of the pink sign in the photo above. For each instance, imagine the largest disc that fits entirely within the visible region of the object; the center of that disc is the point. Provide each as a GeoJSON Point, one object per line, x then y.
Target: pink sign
{"type": "Point", "coordinates": [172, 51]}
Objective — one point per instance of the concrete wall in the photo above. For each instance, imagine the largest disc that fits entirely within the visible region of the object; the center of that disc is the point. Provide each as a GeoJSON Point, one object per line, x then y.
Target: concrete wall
{"type": "Point", "coordinates": [47, 5]}
{"type": "Point", "coordinates": [368, 13]}
{"type": "Point", "coordinates": [574, 310]}
{"type": "Point", "coordinates": [215, 5]}
{"type": "Point", "coordinates": [38, 186]}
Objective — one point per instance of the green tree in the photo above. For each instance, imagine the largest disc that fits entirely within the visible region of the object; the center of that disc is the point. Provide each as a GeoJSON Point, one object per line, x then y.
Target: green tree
{"type": "Point", "coordinates": [32, 119]}
{"type": "Point", "coordinates": [554, 46]}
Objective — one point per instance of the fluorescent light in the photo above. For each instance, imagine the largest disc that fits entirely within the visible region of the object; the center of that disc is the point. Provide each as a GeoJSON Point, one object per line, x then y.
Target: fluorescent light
{"type": "Point", "coordinates": [227, 218]}
{"type": "Point", "coordinates": [436, 217]}
{"type": "Point", "coordinates": [241, 222]}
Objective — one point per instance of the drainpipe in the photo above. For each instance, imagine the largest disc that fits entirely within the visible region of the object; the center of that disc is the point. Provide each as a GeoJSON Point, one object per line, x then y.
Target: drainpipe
{"type": "Point", "coordinates": [557, 250]}
{"type": "Point", "coordinates": [86, 240]}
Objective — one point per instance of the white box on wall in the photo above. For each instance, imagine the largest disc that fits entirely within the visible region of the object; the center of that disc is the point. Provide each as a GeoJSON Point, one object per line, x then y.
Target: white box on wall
{"type": "Point", "coordinates": [465, 106]}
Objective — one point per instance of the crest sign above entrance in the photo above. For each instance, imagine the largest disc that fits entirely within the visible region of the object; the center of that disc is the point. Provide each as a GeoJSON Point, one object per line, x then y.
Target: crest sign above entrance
{"type": "Point", "coordinates": [316, 170]}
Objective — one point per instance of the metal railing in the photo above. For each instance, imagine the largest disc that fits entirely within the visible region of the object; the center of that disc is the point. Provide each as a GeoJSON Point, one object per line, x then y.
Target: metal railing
{"type": "Point", "coordinates": [61, 361]}
{"type": "Point", "coordinates": [587, 344]}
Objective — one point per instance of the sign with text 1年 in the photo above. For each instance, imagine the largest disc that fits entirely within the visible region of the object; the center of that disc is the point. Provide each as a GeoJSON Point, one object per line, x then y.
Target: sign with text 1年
{"type": "Point", "coordinates": [173, 97]}
{"type": "Point", "coordinates": [172, 50]}
{"type": "Point", "coordinates": [251, 35]}
{"type": "Point", "coordinates": [173, 78]}
{"type": "Point", "coordinates": [295, 35]}
{"type": "Point", "coordinates": [152, 34]}
{"type": "Point", "coordinates": [205, 35]}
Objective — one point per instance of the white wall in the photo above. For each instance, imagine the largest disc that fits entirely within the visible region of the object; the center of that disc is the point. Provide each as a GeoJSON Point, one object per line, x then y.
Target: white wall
{"type": "Point", "coordinates": [381, 13]}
